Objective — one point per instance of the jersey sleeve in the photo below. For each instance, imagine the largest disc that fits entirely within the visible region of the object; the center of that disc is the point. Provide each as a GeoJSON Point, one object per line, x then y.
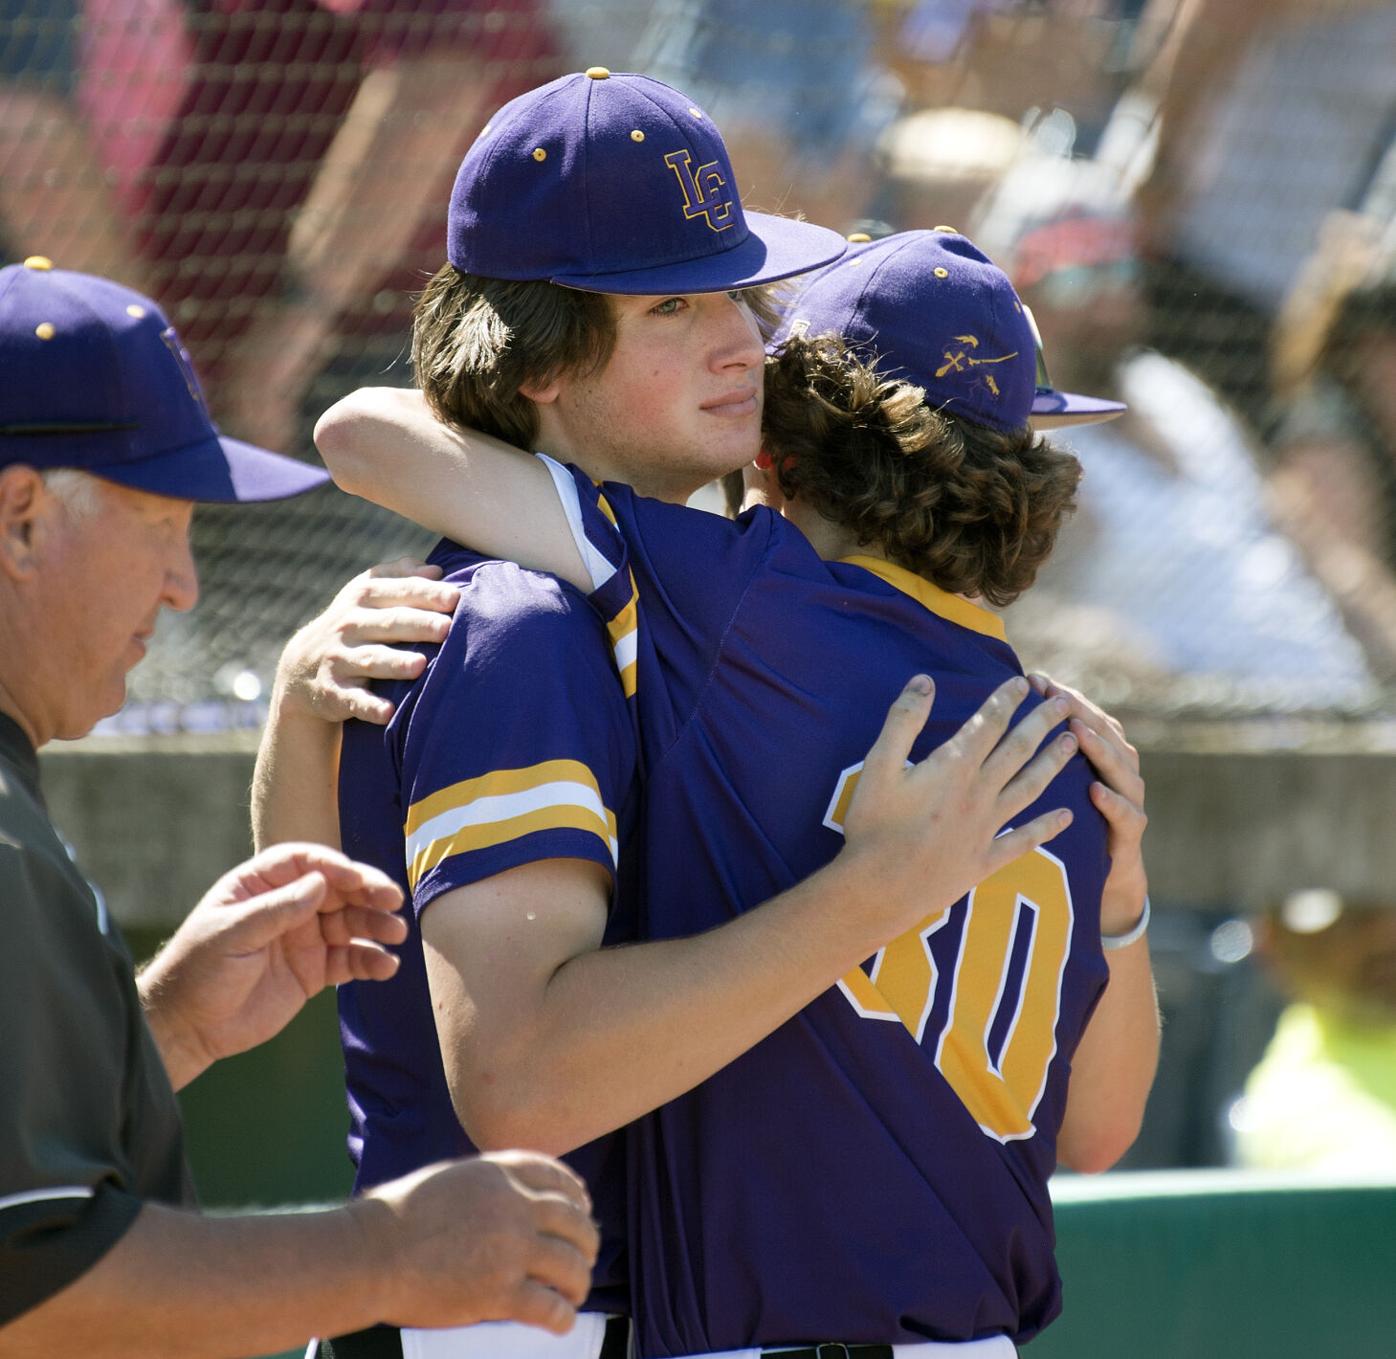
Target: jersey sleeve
{"type": "Point", "coordinates": [668, 581]}
{"type": "Point", "coordinates": [517, 745]}
{"type": "Point", "coordinates": [62, 1204]}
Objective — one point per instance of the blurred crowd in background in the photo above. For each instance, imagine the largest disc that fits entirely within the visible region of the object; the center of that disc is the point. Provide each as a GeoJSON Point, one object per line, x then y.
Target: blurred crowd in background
{"type": "Point", "coordinates": [1196, 197]}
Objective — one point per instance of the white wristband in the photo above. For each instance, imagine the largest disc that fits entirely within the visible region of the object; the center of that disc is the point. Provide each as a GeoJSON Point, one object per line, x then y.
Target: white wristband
{"type": "Point", "coordinates": [1131, 935]}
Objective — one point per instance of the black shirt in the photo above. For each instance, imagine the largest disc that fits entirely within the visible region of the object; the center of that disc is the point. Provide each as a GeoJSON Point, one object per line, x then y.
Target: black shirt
{"type": "Point", "coordinates": [89, 1126]}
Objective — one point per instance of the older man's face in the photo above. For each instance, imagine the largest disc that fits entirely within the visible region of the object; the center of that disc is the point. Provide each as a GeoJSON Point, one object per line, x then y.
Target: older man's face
{"type": "Point", "coordinates": [112, 566]}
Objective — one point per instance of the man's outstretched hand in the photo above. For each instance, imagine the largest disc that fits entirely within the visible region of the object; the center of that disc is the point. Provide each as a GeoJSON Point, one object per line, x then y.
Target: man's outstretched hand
{"type": "Point", "coordinates": [266, 937]}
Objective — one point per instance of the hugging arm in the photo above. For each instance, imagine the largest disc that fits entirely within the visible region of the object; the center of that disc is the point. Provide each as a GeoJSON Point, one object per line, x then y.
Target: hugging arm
{"type": "Point", "coordinates": [324, 677]}
{"type": "Point", "coordinates": [1113, 1069]}
{"type": "Point", "coordinates": [550, 1040]}
{"type": "Point", "coordinates": [384, 445]}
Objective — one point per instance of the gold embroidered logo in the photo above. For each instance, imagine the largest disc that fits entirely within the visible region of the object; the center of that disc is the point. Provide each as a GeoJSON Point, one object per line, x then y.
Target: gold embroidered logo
{"type": "Point", "coordinates": [962, 360]}
{"type": "Point", "coordinates": [703, 190]}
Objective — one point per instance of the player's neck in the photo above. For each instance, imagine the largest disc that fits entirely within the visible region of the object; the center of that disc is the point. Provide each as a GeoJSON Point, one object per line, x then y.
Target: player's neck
{"type": "Point", "coordinates": [657, 479]}
{"type": "Point", "coordinates": [834, 543]}
{"type": "Point", "coordinates": [831, 541]}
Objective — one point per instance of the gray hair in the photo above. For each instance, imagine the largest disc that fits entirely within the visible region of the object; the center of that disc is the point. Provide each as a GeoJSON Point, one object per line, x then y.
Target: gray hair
{"type": "Point", "coordinates": [78, 490]}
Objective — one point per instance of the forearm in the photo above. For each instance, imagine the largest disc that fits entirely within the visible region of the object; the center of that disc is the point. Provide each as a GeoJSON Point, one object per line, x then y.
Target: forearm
{"type": "Point", "coordinates": [181, 1284]}
{"type": "Point", "coordinates": [621, 1031]}
{"type": "Point", "coordinates": [295, 784]}
{"type": "Point", "coordinates": [1113, 1069]}
{"type": "Point", "coordinates": [384, 445]}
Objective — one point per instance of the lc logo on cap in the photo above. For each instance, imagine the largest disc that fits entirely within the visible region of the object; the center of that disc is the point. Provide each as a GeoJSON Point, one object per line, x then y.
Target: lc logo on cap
{"type": "Point", "coordinates": [616, 183]}
{"type": "Point", "coordinates": [701, 190]}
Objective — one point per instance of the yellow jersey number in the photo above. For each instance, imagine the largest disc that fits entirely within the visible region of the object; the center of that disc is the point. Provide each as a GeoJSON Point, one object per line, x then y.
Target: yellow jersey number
{"type": "Point", "coordinates": [999, 1037]}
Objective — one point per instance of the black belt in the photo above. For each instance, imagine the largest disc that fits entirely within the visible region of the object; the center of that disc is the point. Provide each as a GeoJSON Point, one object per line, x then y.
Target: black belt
{"type": "Point", "coordinates": [616, 1345]}
{"type": "Point", "coordinates": [832, 1351]}
{"type": "Point", "coordinates": [385, 1342]}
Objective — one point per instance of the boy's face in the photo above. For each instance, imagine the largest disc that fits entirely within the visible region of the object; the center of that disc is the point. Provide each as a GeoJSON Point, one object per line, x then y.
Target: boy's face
{"type": "Point", "coordinates": [677, 403]}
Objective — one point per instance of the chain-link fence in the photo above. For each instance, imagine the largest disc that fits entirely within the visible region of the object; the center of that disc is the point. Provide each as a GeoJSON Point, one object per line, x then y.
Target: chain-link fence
{"type": "Point", "coordinates": [1197, 200]}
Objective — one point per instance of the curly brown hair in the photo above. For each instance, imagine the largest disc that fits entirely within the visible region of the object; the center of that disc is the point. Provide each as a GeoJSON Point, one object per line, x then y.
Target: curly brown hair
{"type": "Point", "coordinates": [971, 509]}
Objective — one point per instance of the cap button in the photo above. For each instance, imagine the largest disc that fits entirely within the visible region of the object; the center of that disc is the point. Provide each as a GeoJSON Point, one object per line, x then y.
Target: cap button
{"type": "Point", "coordinates": [597, 73]}
{"type": "Point", "coordinates": [950, 230]}
{"type": "Point", "coordinates": [858, 238]}
{"type": "Point", "coordinates": [40, 262]}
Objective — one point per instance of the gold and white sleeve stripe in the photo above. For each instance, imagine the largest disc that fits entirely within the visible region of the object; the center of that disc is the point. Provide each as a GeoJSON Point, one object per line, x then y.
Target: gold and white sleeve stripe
{"type": "Point", "coordinates": [502, 806]}
{"type": "Point", "coordinates": [622, 629]}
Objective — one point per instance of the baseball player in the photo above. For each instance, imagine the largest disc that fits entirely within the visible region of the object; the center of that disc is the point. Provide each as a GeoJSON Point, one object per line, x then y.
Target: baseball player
{"type": "Point", "coordinates": [503, 789]}
{"type": "Point", "coordinates": [873, 1173]}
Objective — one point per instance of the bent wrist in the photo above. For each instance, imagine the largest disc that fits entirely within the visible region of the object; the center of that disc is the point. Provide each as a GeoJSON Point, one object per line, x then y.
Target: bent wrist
{"type": "Point", "coordinates": [1114, 936]}
{"type": "Point", "coordinates": [1122, 901]}
{"type": "Point", "coordinates": [181, 1050]}
{"type": "Point", "coordinates": [878, 899]}
{"type": "Point", "coordinates": [371, 1250]}
{"type": "Point", "coordinates": [293, 703]}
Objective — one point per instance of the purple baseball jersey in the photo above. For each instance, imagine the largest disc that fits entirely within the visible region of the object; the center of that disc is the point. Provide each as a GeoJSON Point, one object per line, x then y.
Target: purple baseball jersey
{"type": "Point", "coordinates": [514, 745]}
{"type": "Point", "coordinates": [876, 1170]}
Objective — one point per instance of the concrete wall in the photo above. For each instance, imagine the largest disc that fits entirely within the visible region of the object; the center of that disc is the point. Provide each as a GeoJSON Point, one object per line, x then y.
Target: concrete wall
{"type": "Point", "coordinates": [153, 821]}
{"type": "Point", "coordinates": [1232, 823]}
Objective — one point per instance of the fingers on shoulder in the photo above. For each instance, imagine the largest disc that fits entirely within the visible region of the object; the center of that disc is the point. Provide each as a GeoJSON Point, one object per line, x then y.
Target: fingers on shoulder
{"type": "Point", "coordinates": [1118, 809]}
{"type": "Point", "coordinates": [401, 566]}
{"type": "Point", "coordinates": [902, 725]}
{"type": "Point", "coordinates": [1024, 839]}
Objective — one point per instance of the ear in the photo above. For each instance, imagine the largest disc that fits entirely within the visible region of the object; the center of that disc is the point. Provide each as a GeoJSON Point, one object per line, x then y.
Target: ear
{"type": "Point", "coordinates": [24, 501]}
{"type": "Point", "coordinates": [541, 393]}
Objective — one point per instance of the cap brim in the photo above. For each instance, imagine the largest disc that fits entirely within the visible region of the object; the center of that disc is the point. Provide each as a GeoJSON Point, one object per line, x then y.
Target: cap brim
{"type": "Point", "coordinates": [219, 471]}
{"type": "Point", "coordinates": [775, 248]}
{"type": "Point", "coordinates": [1059, 410]}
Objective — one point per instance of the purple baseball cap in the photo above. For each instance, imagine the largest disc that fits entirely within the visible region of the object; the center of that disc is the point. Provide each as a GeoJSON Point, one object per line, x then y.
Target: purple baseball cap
{"type": "Point", "coordinates": [937, 312]}
{"type": "Point", "coordinates": [616, 184]}
{"type": "Point", "coordinates": [95, 378]}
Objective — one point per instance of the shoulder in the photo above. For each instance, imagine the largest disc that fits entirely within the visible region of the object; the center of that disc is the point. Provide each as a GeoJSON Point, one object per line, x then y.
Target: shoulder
{"type": "Point", "coordinates": [506, 602]}
{"type": "Point", "coordinates": [516, 635]}
{"type": "Point", "coordinates": [55, 922]}
{"type": "Point", "coordinates": [31, 854]}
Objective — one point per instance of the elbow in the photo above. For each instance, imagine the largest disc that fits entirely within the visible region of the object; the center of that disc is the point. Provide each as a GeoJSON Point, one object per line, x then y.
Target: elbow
{"type": "Point", "coordinates": [1093, 1161]}
{"type": "Point", "coordinates": [343, 435]}
{"type": "Point", "coordinates": [497, 1114]}
{"type": "Point", "coordinates": [1100, 1148]}
{"type": "Point", "coordinates": [335, 443]}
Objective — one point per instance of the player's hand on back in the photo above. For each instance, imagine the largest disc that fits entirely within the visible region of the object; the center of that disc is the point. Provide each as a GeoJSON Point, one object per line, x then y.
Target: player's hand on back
{"type": "Point", "coordinates": [929, 832]}
{"type": "Point", "coordinates": [501, 1237]}
{"type": "Point", "coordinates": [1117, 794]}
{"type": "Point", "coordinates": [367, 633]}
